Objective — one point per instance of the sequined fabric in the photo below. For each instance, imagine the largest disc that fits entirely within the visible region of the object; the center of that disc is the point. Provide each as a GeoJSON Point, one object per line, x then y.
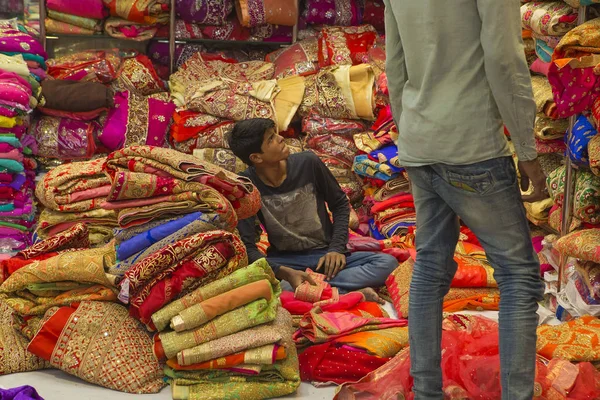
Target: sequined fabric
{"type": "Point", "coordinates": [101, 344]}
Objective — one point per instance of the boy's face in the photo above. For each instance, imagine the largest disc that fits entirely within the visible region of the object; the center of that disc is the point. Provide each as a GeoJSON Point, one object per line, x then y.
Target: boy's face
{"type": "Point", "coordinates": [274, 149]}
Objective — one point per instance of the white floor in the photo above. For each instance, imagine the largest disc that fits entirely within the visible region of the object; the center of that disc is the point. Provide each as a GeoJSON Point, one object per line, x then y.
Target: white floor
{"type": "Point", "coordinates": [58, 385]}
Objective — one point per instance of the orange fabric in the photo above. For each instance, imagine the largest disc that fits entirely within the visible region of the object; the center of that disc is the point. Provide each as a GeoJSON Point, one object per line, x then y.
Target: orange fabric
{"type": "Point", "coordinates": [222, 362]}
{"type": "Point", "coordinates": [527, 34]}
{"type": "Point", "coordinates": [44, 341]}
{"type": "Point", "coordinates": [227, 301]}
{"type": "Point", "coordinates": [576, 340]}
{"type": "Point", "coordinates": [478, 303]}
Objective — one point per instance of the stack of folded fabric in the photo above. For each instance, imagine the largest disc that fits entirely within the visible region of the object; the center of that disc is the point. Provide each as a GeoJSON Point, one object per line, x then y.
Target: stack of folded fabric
{"type": "Point", "coordinates": [226, 334]}
{"type": "Point", "coordinates": [136, 19]}
{"type": "Point", "coordinates": [17, 170]}
{"type": "Point", "coordinates": [75, 17]}
{"type": "Point", "coordinates": [473, 286]}
{"type": "Point", "coordinates": [342, 331]}
{"type": "Point", "coordinates": [68, 124]}
{"type": "Point", "coordinates": [22, 54]}
{"type": "Point", "coordinates": [256, 21]}
{"type": "Point", "coordinates": [581, 295]}
{"type": "Point", "coordinates": [73, 193]}
{"type": "Point", "coordinates": [544, 24]}
{"type": "Point", "coordinates": [90, 66]}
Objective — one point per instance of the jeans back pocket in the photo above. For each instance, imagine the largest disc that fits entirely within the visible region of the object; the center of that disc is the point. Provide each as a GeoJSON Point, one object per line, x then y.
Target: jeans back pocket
{"type": "Point", "coordinates": [479, 183]}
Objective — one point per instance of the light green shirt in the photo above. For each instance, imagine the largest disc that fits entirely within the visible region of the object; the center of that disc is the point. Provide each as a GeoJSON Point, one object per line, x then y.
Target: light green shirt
{"type": "Point", "coordinates": [456, 72]}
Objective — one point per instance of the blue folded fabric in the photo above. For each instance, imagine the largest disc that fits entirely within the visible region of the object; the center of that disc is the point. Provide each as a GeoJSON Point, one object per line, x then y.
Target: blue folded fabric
{"type": "Point", "coordinates": [144, 240]}
{"type": "Point", "coordinates": [543, 50]}
{"type": "Point", "coordinates": [577, 147]}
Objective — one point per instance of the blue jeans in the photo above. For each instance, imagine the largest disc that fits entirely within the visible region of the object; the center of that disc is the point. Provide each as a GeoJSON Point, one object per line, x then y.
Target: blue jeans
{"type": "Point", "coordinates": [363, 269]}
{"type": "Point", "coordinates": [487, 199]}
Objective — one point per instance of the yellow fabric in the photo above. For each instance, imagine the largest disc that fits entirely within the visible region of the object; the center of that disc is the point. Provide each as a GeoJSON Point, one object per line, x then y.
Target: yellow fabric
{"type": "Point", "coordinates": [288, 100]}
{"type": "Point", "coordinates": [362, 79]}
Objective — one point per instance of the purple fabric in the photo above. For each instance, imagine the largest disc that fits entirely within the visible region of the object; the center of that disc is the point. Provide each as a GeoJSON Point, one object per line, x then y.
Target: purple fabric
{"type": "Point", "coordinates": [332, 12]}
{"type": "Point", "coordinates": [20, 393]}
{"type": "Point", "coordinates": [39, 72]}
{"type": "Point", "coordinates": [18, 181]}
{"type": "Point", "coordinates": [207, 12]}
{"type": "Point", "coordinates": [159, 52]}
{"type": "Point", "coordinates": [83, 8]}
{"type": "Point", "coordinates": [17, 41]}
{"type": "Point", "coordinates": [73, 138]}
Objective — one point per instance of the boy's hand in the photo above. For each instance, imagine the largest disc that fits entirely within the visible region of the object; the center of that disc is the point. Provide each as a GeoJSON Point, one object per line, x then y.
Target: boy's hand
{"type": "Point", "coordinates": [332, 263]}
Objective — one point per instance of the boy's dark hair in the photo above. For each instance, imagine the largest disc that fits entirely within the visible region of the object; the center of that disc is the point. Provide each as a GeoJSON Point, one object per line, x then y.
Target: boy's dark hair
{"type": "Point", "coordinates": [247, 137]}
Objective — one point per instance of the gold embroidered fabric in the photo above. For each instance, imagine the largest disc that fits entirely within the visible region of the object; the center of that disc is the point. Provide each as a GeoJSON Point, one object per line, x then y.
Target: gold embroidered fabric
{"type": "Point", "coordinates": [14, 356]}
{"type": "Point", "coordinates": [247, 339]}
{"type": "Point", "coordinates": [279, 379]}
{"type": "Point", "coordinates": [577, 340]}
{"type": "Point", "coordinates": [256, 271]}
{"type": "Point", "coordinates": [101, 344]}
{"type": "Point", "coordinates": [256, 313]}
{"type": "Point", "coordinates": [224, 158]}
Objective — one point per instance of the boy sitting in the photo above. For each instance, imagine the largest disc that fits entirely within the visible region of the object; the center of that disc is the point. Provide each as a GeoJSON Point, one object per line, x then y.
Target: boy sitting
{"type": "Point", "coordinates": [295, 190]}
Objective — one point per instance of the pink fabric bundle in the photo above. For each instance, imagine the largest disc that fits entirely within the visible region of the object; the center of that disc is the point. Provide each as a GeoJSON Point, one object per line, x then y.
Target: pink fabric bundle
{"type": "Point", "coordinates": [82, 8]}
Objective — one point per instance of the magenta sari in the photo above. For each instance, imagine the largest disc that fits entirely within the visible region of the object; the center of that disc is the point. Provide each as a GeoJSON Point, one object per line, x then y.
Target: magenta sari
{"type": "Point", "coordinates": [82, 8]}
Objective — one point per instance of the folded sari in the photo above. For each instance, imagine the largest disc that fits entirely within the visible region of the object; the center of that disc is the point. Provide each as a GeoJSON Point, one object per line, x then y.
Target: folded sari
{"type": "Point", "coordinates": [167, 345]}
{"type": "Point", "coordinates": [74, 187]}
{"type": "Point", "coordinates": [141, 197]}
{"type": "Point", "coordinates": [266, 334]}
{"type": "Point", "coordinates": [332, 144]}
{"type": "Point", "coordinates": [280, 379]}
{"type": "Point", "coordinates": [124, 29]}
{"type": "Point", "coordinates": [189, 124]}
{"type": "Point", "coordinates": [13, 345]}
{"type": "Point", "coordinates": [320, 326]}
{"type": "Point", "coordinates": [317, 125]}
{"type": "Point", "coordinates": [165, 162]}
{"type": "Point", "coordinates": [14, 64]}
{"type": "Point", "coordinates": [586, 205]}
{"type": "Point", "coordinates": [346, 45]}
{"type": "Point", "coordinates": [85, 8]}
{"type": "Point", "coordinates": [16, 41]}
{"type": "Point", "coordinates": [577, 340]}
{"type": "Point", "coordinates": [138, 75]}
{"type": "Point", "coordinates": [203, 223]}
{"type": "Point", "coordinates": [75, 237]}
{"type": "Point", "coordinates": [301, 58]}
{"type": "Point", "coordinates": [552, 18]}
{"type": "Point", "coordinates": [252, 13]}
{"type": "Point", "coordinates": [99, 222]}
{"type": "Point", "coordinates": [139, 11]}
{"type": "Point", "coordinates": [257, 271]}
{"type": "Point", "coordinates": [264, 355]}
{"type": "Point", "coordinates": [328, 362]}
{"type": "Point", "coordinates": [349, 88]}
{"type": "Point", "coordinates": [111, 348]}
{"type": "Point", "coordinates": [548, 128]}
{"type": "Point", "coordinates": [137, 120]}
{"type": "Point", "coordinates": [144, 240]}
{"type": "Point", "coordinates": [223, 158]}
{"type": "Point", "coordinates": [55, 26]}
{"type": "Point", "coordinates": [381, 343]}
{"type": "Point", "coordinates": [457, 299]}
{"type": "Point", "coordinates": [90, 65]}
{"type": "Point", "coordinates": [207, 310]}
{"type": "Point", "coordinates": [204, 12]}
{"type": "Point", "coordinates": [178, 269]}
{"type": "Point", "coordinates": [340, 13]}
{"type": "Point", "coordinates": [64, 138]}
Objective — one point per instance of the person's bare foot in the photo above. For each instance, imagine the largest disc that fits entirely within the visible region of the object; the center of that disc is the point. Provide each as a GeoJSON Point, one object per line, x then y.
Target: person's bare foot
{"type": "Point", "coordinates": [371, 295]}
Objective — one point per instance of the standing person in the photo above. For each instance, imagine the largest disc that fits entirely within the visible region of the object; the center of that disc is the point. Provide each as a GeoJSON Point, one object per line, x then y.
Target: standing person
{"type": "Point", "coordinates": [456, 72]}
{"type": "Point", "coordinates": [295, 190]}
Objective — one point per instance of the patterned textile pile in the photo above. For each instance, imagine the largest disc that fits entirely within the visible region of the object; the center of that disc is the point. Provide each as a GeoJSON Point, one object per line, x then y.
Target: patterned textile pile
{"type": "Point", "coordinates": [22, 67]}
{"type": "Point", "coordinates": [340, 330]}
{"type": "Point", "coordinates": [255, 20]}
{"type": "Point", "coordinates": [80, 17]}
{"type": "Point", "coordinates": [213, 95]}
{"type": "Point", "coordinates": [100, 102]}
{"type": "Point", "coordinates": [471, 365]}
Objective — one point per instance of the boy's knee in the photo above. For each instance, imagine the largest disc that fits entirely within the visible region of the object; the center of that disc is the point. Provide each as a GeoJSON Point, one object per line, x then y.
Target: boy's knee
{"type": "Point", "coordinates": [386, 262]}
